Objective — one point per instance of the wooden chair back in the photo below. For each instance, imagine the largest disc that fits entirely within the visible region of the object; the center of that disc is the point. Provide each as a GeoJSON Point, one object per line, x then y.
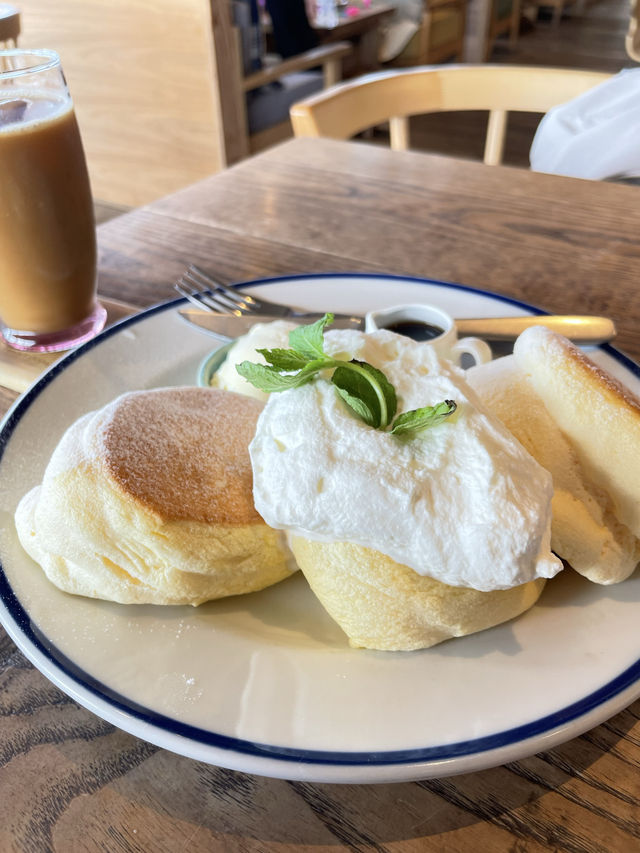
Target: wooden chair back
{"type": "Point", "coordinates": [326, 56]}
{"type": "Point", "coordinates": [394, 96]}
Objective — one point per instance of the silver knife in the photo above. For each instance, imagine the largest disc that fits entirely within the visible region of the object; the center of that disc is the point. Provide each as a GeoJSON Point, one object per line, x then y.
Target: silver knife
{"type": "Point", "coordinates": [578, 328]}
{"type": "Point", "coordinates": [228, 327]}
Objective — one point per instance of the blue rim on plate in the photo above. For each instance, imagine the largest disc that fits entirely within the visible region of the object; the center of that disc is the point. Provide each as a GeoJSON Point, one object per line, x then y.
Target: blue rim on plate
{"type": "Point", "coordinates": [124, 712]}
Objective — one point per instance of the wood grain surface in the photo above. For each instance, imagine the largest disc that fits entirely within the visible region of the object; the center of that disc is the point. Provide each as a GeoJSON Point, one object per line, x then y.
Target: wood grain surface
{"type": "Point", "coordinates": [564, 245]}
{"type": "Point", "coordinates": [71, 782]}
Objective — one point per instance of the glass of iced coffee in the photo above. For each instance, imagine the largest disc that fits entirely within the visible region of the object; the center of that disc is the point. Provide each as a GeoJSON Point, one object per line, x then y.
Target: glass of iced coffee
{"type": "Point", "coordinates": [47, 229]}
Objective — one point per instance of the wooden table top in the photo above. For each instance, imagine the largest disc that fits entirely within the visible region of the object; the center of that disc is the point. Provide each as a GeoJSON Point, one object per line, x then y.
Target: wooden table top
{"type": "Point", "coordinates": [70, 781]}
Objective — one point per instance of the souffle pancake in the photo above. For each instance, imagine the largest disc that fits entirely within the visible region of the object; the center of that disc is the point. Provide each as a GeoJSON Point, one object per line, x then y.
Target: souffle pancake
{"type": "Point", "coordinates": [583, 426]}
{"type": "Point", "coordinates": [388, 526]}
{"type": "Point", "coordinates": [149, 500]}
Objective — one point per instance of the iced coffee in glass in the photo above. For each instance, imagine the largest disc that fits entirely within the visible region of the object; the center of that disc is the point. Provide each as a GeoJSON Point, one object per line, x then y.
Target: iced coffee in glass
{"type": "Point", "coordinates": [47, 229]}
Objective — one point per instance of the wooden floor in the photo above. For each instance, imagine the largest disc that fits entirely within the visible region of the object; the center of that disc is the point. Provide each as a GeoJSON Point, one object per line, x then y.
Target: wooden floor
{"type": "Point", "coordinates": [588, 36]}
{"type": "Point", "coordinates": [591, 37]}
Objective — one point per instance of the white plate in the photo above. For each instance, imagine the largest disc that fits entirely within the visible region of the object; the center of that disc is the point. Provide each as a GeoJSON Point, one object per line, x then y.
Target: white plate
{"type": "Point", "coordinates": [266, 683]}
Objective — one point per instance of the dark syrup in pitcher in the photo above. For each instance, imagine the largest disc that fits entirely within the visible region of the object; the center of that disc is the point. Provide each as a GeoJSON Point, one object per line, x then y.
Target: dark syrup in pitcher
{"type": "Point", "coordinates": [415, 329]}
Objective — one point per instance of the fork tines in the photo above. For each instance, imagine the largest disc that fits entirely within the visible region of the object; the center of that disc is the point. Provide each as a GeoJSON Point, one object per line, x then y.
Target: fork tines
{"type": "Point", "coordinates": [204, 291]}
{"type": "Point", "coordinates": [227, 296]}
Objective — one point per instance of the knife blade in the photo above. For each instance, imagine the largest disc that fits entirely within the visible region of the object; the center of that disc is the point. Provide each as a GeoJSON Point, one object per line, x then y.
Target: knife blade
{"type": "Point", "coordinates": [227, 327]}
{"type": "Point", "coordinates": [581, 329]}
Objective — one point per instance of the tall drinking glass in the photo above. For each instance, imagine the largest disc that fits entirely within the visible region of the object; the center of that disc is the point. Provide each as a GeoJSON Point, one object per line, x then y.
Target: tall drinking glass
{"type": "Point", "coordinates": [47, 228]}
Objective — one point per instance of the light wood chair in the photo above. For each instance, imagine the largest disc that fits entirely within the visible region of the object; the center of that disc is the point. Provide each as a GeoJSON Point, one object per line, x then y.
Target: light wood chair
{"type": "Point", "coordinates": [9, 25]}
{"type": "Point", "coordinates": [394, 96]}
{"type": "Point", "coordinates": [440, 35]}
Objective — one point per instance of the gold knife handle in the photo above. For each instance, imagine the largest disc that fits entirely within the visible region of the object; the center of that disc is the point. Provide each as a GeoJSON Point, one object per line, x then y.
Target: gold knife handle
{"type": "Point", "coordinates": [580, 329]}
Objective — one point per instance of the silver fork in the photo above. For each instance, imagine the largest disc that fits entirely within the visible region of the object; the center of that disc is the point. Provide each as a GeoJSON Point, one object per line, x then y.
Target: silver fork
{"type": "Point", "coordinates": [205, 292]}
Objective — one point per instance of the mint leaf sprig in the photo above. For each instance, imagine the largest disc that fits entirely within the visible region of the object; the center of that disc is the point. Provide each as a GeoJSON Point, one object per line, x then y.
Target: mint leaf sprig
{"type": "Point", "coordinates": [363, 388]}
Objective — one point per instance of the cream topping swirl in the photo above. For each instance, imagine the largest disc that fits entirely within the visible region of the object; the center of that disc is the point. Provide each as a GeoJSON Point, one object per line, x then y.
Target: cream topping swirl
{"type": "Point", "coordinates": [463, 502]}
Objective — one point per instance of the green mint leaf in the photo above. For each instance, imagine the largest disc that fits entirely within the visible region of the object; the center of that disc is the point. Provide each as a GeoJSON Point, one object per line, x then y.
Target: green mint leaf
{"type": "Point", "coordinates": [360, 408]}
{"type": "Point", "coordinates": [266, 377]}
{"type": "Point", "coordinates": [362, 387]}
{"type": "Point", "coordinates": [309, 340]}
{"type": "Point", "coordinates": [386, 389]}
{"type": "Point", "coordinates": [358, 380]}
{"type": "Point", "coordinates": [270, 379]}
{"type": "Point", "coordinates": [411, 423]}
{"type": "Point", "coordinates": [284, 359]}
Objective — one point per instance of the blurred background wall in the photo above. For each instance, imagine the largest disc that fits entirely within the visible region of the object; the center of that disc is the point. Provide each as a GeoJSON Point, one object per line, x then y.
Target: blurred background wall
{"type": "Point", "coordinates": [143, 78]}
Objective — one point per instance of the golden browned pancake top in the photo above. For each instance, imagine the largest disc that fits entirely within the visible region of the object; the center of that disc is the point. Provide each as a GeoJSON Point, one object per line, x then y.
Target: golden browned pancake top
{"type": "Point", "coordinates": [183, 453]}
{"type": "Point", "coordinates": [587, 371]}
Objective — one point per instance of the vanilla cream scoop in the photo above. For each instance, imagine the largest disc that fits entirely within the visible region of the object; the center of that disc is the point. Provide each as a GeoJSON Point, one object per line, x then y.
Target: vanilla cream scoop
{"type": "Point", "coordinates": [463, 502]}
{"type": "Point", "coordinates": [259, 336]}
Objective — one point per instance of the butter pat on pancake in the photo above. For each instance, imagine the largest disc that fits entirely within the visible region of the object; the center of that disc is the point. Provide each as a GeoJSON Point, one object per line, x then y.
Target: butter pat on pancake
{"type": "Point", "coordinates": [149, 500]}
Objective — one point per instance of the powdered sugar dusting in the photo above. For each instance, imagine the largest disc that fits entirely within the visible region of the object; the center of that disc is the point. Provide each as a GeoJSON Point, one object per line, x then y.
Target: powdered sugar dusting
{"type": "Point", "coordinates": [199, 467]}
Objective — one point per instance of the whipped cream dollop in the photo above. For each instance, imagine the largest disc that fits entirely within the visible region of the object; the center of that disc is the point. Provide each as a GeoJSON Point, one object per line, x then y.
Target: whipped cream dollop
{"type": "Point", "coordinates": [260, 336]}
{"type": "Point", "coordinates": [462, 502]}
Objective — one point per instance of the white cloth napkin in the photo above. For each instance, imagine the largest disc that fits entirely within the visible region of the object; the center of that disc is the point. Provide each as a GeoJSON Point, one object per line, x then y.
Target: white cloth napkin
{"type": "Point", "coordinates": [596, 135]}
